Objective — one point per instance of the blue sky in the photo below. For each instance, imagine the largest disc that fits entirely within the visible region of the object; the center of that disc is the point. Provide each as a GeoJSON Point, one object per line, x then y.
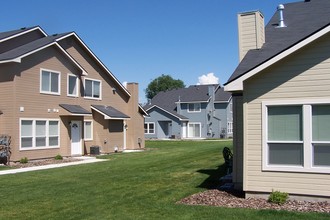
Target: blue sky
{"type": "Point", "coordinates": [138, 40]}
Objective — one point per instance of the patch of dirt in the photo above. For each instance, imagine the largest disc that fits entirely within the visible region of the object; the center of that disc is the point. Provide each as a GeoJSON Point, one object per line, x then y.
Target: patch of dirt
{"type": "Point", "coordinates": [216, 197]}
{"type": "Point", "coordinates": [33, 163]}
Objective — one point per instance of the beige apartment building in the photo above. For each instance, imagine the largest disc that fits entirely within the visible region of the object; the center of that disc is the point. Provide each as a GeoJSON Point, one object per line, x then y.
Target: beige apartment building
{"type": "Point", "coordinates": [57, 97]}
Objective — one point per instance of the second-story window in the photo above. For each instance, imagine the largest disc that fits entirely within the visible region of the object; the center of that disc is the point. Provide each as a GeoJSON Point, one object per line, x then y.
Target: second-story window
{"type": "Point", "coordinates": [72, 85]}
{"type": "Point", "coordinates": [92, 89]}
{"type": "Point", "coordinates": [194, 107]}
{"type": "Point", "coordinates": [50, 82]}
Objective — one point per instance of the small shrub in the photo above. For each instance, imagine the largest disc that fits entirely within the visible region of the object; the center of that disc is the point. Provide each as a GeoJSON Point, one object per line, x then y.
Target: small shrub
{"type": "Point", "coordinates": [278, 197]}
{"type": "Point", "coordinates": [24, 160]}
{"type": "Point", "coordinates": [58, 157]}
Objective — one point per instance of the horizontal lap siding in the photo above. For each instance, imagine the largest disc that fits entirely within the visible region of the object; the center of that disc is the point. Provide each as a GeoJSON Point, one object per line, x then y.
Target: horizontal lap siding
{"type": "Point", "coordinates": [6, 99]}
{"type": "Point", "coordinates": [305, 74]}
{"type": "Point", "coordinates": [27, 94]}
{"type": "Point", "coordinates": [21, 85]}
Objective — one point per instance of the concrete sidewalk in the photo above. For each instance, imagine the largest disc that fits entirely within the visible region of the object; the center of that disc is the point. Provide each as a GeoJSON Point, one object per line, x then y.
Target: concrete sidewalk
{"type": "Point", "coordinates": [84, 160]}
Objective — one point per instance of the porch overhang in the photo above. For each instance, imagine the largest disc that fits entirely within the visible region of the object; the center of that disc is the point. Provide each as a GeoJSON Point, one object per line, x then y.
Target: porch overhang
{"type": "Point", "coordinates": [110, 113]}
{"type": "Point", "coordinates": [75, 110]}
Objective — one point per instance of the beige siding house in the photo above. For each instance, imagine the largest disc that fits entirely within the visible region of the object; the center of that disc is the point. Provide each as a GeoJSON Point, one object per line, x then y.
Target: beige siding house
{"type": "Point", "coordinates": [281, 106]}
{"type": "Point", "coordinates": [57, 97]}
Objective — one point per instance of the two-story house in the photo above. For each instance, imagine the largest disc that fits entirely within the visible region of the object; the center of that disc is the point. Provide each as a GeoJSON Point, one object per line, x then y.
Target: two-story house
{"type": "Point", "coordinates": [281, 100]}
{"type": "Point", "coordinates": [199, 111]}
{"type": "Point", "coordinates": [57, 97]}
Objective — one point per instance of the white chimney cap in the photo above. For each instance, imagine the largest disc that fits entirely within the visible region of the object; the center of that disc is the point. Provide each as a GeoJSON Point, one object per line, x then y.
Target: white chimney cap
{"type": "Point", "coordinates": [280, 7]}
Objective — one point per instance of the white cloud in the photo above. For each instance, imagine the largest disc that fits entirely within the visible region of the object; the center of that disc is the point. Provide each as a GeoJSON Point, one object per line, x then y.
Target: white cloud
{"type": "Point", "coordinates": [209, 78]}
{"type": "Point", "coordinates": [125, 84]}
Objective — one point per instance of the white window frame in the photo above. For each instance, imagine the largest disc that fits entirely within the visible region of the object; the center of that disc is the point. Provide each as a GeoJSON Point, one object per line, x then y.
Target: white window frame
{"type": "Point", "coordinates": [59, 82]}
{"type": "Point", "coordinates": [230, 127]}
{"type": "Point", "coordinates": [88, 139]}
{"type": "Point", "coordinates": [200, 129]}
{"type": "Point", "coordinates": [68, 85]}
{"type": "Point", "coordinates": [34, 136]}
{"type": "Point", "coordinates": [307, 142]}
{"type": "Point", "coordinates": [148, 128]}
{"type": "Point", "coordinates": [194, 108]}
{"type": "Point", "coordinates": [93, 80]}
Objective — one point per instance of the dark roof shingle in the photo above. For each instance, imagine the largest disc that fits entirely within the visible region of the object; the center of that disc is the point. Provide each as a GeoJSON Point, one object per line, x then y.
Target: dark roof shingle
{"type": "Point", "coordinates": [302, 19]}
{"type": "Point", "coordinates": [111, 112]}
{"type": "Point", "coordinates": [195, 93]}
{"type": "Point", "coordinates": [75, 109]}
{"type": "Point", "coordinates": [7, 34]}
{"type": "Point", "coordinates": [29, 47]}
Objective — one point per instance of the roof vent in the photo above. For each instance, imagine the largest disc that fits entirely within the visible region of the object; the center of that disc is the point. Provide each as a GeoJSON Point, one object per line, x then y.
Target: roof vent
{"type": "Point", "coordinates": [280, 10]}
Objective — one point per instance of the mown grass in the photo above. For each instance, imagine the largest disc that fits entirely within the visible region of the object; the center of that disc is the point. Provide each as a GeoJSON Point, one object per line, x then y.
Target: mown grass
{"type": "Point", "coordinates": [143, 185]}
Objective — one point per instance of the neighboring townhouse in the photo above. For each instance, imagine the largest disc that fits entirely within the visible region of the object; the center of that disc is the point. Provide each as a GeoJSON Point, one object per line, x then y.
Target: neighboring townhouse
{"type": "Point", "coordinates": [281, 101]}
{"type": "Point", "coordinates": [57, 97]}
{"type": "Point", "coordinates": [199, 111]}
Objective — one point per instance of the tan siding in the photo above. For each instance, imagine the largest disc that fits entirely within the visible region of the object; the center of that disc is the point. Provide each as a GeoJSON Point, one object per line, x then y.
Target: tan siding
{"type": "Point", "coordinates": [302, 75]}
{"type": "Point", "coordinates": [250, 32]}
{"type": "Point", "coordinates": [21, 84]}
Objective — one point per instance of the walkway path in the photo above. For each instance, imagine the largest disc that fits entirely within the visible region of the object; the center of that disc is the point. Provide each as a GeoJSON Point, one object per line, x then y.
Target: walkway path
{"type": "Point", "coordinates": [84, 160]}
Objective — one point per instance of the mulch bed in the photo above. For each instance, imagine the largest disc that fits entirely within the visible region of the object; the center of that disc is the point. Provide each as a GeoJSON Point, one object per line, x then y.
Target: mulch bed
{"type": "Point", "coordinates": [216, 197]}
{"type": "Point", "coordinates": [33, 163]}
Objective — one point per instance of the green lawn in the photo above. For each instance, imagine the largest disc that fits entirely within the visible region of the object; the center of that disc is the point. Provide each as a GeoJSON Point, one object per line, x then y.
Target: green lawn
{"type": "Point", "coordinates": [143, 185]}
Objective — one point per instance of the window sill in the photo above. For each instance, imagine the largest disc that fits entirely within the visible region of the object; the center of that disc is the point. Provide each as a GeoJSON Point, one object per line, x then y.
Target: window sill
{"type": "Point", "coordinates": [91, 98]}
{"type": "Point", "coordinates": [50, 93]}
{"type": "Point", "coordinates": [296, 169]}
{"type": "Point", "coordinates": [73, 96]}
{"type": "Point", "coordinates": [38, 148]}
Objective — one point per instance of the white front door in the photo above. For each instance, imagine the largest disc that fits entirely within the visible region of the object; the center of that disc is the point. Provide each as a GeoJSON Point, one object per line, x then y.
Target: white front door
{"type": "Point", "coordinates": [76, 148]}
{"type": "Point", "coordinates": [184, 130]}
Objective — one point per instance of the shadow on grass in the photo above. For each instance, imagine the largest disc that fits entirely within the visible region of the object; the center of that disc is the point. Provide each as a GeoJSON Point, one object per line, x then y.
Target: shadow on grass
{"type": "Point", "coordinates": [212, 181]}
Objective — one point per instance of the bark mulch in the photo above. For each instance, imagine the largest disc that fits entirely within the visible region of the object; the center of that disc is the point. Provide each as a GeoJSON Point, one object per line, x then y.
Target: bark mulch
{"type": "Point", "coordinates": [33, 163]}
{"type": "Point", "coordinates": [216, 197]}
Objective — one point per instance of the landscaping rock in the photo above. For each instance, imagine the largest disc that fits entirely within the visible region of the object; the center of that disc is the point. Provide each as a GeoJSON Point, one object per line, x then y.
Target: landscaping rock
{"type": "Point", "coordinates": [224, 199]}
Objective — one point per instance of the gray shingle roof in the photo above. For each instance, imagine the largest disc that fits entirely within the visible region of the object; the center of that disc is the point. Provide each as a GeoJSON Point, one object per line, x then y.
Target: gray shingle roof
{"type": "Point", "coordinates": [7, 34]}
{"type": "Point", "coordinates": [75, 109]}
{"type": "Point", "coordinates": [195, 93]}
{"type": "Point", "coordinates": [29, 47]}
{"type": "Point", "coordinates": [221, 95]}
{"type": "Point", "coordinates": [302, 19]}
{"type": "Point", "coordinates": [111, 112]}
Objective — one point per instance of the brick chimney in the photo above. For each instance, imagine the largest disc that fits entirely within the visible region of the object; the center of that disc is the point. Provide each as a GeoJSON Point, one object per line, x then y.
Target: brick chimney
{"type": "Point", "coordinates": [251, 32]}
{"type": "Point", "coordinates": [135, 126]}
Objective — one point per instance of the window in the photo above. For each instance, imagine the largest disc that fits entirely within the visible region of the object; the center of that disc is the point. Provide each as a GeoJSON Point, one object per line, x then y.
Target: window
{"type": "Point", "coordinates": [230, 127]}
{"type": "Point", "coordinates": [297, 137]}
{"type": "Point", "coordinates": [320, 134]}
{"type": "Point", "coordinates": [72, 85]}
{"type": "Point", "coordinates": [149, 128]}
{"type": "Point", "coordinates": [50, 82]}
{"type": "Point", "coordinates": [285, 135]}
{"type": "Point", "coordinates": [194, 130]}
{"type": "Point", "coordinates": [88, 130]}
{"type": "Point", "coordinates": [92, 89]}
{"type": "Point", "coordinates": [39, 133]}
{"type": "Point", "coordinates": [194, 107]}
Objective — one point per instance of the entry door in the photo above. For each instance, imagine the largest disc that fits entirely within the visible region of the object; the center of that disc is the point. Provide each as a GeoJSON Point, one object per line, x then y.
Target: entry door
{"type": "Point", "coordinates": [76, 148]}
{"type": "Point", "coordinates": [184, 130]}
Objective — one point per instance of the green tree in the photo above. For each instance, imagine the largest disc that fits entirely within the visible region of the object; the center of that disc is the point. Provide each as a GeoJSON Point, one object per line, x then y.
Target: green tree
{"type": "Point", "coordinates": [162, 83]}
